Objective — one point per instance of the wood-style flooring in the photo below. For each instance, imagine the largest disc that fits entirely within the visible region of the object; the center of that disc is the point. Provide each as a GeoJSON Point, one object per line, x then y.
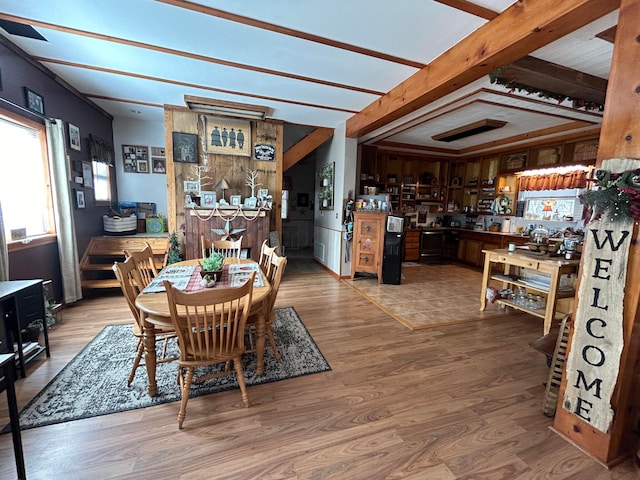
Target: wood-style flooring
{"type": "Point", "coordinates": [453, 402]}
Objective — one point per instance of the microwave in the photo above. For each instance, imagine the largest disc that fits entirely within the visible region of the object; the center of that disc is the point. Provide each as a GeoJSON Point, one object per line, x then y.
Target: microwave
{"type": "Point", "coordinates": [395, 224]}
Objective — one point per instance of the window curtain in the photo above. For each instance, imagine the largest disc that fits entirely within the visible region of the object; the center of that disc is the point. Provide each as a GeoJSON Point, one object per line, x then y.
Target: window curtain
{"type": "Point", "coordinates": [4, 252]}
{"type": "Point", "coordinates": [554, 181]}
{"type": "Point", "coordinates": [63, 212]}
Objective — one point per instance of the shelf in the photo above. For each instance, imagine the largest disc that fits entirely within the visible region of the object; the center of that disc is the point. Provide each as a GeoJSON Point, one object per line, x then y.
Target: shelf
{"type": "Point", "coordinates": [532, 285]}
{"type": "Point", "coordinates": [538, 312]}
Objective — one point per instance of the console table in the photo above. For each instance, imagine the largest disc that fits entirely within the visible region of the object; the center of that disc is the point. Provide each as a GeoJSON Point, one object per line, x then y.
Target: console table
{"type": "Point", "coordinates": [253, 226]}
{"type": "Point", "coordinates": [7, 367]}
{"type": "Point", "coordinates": [21, 302]}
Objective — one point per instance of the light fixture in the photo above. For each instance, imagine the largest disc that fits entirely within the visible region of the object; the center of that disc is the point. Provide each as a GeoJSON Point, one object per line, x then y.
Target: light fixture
{"type": "Point", "coordinates": [469, 130]}
{"type": "Point", "coordinates": [227, 109]}
{"type": "Point", "coordinates": [223, 185]}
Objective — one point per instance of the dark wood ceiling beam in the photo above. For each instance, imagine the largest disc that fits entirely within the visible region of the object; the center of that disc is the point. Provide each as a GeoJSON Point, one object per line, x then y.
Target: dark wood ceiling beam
{"type": "Point", "coordinates": [471, 8]}
{"type": "Point", "coordinates": [524, 27]}
{"type": "Point", "coordinates": [305, 146]}
{"type": "Point", "coordinates": [555, 78]}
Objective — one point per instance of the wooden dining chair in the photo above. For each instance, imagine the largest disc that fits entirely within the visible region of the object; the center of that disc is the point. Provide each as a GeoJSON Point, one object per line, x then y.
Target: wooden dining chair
{"type": "Point", "coordinates": [265, 257]}
{"type": "Point", "coordinates": [210, 329]}
{"type": "Point", "coordinates": [229, 248]}
{"type": "Point", "coordinates": [129, 279]}
{"type": "Point", "coordinates": [278, 265]}
{"type": "Point", "coordinates": [144, 262]}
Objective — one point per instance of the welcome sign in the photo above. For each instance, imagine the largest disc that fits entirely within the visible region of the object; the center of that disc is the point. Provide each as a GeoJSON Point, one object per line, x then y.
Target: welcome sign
{"type": "Point", "coordinates": [594, 360]}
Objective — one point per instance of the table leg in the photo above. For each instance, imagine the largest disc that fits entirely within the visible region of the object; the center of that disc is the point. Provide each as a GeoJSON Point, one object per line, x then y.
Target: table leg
{"type": "Point", "coordinates": [485, 281]}
{"type": "Point", "coordinates": [149, 336]}
{"type": "Point", "coordinates": [14, 415]}
{"type": "Point", "coordinates": [260, 328]}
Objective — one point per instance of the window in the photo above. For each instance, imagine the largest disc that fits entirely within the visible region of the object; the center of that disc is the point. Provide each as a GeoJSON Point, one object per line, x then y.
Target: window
{"type": "Point", "coordinates": [101, 183]}
{"type": "Point", "coordinates": [25, 192]}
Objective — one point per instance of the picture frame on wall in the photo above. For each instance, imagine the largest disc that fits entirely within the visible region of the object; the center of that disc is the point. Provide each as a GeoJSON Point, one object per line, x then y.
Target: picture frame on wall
{"type": "Point", "coordinates": [130, 156]}
{"type": "Point", "coordinates": [142, 166]}
{"type": "Point", "coordinates": [80, 202]}
{"type": "Point", "coordinates": [236, 200]}
{"type": "Point", "coordinates": [185, 147]}
{"type": "Point", "coordinates": [191, 186]}
{"type": "Point", "coordinates": [34, 101]}
{"type": "Point", "coordinates": [159, 165]}
{"type": "Point", "coordinates": [207, 199]}
{"type": "Point", "coordinates": [87, 174]}
{"type": "Point", "coordinates": [228, 136]}
{"type": "Point", "coordinates": [74, 137]}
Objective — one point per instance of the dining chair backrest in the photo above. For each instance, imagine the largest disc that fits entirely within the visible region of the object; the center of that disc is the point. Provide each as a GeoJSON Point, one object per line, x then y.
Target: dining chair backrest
{"type": "Point", "coordinates": [206, 245]}
{"type": "Point", "coordinates": [144, 263]}
{"type": "Point", "coordinates": [129, 279]}
{"type": "Point", "coordinates": [278, 265]}
{"type": "Point", "coordinates": [265, 257]}
{"type": "Point", "coordinates": [211, 322]}
{"type": "Point", "coordinates": [228, 248]}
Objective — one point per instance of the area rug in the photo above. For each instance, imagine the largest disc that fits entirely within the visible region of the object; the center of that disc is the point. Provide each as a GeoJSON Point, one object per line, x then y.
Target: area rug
{"type": "Point", "coordinates": [95, 382]}
{"type": "Point", "coordinates": [430, 296]}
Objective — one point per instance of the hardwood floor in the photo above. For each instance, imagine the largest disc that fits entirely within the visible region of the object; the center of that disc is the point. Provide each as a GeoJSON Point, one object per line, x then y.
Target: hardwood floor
{"type": "Point", "coordinates": [454, 402]}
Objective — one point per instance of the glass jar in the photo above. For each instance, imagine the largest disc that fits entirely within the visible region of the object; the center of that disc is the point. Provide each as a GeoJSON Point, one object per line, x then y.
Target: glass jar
{"type": "Point", "coordinates": [540, 235]}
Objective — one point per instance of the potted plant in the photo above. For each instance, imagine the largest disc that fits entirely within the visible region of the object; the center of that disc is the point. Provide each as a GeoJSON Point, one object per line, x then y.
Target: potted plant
{"type": "Point", "coordinates": [211, 266]}
{"type": "Point", "coordinates": [326, 174]}
{"type": "Point", "coordinates": [326, 196]}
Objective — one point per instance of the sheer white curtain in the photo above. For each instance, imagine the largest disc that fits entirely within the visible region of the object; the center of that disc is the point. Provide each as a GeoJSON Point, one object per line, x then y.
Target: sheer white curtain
{"type": "Point", "coordinates": [63, 212]}
{"type": "Point", "coordinates": [4, 254]}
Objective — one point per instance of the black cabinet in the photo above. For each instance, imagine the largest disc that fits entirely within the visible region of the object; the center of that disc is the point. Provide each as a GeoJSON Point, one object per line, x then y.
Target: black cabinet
{"type": "Point", "coordinates": [22, 302]}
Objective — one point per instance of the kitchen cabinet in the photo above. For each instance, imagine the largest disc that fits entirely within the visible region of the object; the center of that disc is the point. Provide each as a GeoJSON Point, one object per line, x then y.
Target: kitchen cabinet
{"type": "Point", "coordinates": [368, 243]}
{"type": "Point", "coordinates": [471, 243]}
{"type": "Point", "coordinates": [411, 245]}
{"type": "Point", "coordinates": [536, 277]}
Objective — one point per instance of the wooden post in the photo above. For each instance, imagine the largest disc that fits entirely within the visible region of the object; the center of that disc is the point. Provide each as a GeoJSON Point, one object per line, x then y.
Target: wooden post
{"type": "Point", "coordinates": [620, 138]}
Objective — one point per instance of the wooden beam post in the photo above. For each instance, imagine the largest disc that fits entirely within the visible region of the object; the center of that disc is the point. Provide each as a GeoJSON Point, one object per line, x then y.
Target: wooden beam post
{"type": "Point", "coordinates": [620, 138]}
{"type": "Point", "coordinates": [524, 27]}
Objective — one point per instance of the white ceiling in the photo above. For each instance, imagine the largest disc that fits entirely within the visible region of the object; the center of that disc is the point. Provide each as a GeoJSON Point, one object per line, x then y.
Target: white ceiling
{"type": "Point", "coordinates": [303, 60]}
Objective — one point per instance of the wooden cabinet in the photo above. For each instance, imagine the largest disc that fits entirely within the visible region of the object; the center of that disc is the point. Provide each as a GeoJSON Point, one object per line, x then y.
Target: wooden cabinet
{"type": "Point", "coordinates": [411, 245]}
{"type": "Point", "coordinates": [471, 243]}
{"type": "Point", "coordinates": [469, 251]}
{"type": "Point", "coordinates": [368, 243]}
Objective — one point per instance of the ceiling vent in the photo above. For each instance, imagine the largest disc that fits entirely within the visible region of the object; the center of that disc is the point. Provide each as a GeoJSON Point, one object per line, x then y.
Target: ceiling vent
{"type": "Point", "coordinates": [469, 130]}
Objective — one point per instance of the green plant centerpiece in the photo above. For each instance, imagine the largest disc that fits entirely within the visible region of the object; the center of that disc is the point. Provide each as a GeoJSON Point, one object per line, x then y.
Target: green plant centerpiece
{"type": "Point", "coordinates": [211, 266]}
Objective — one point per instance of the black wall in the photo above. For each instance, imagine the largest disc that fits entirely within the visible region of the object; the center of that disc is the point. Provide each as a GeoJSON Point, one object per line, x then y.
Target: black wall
{"type": "Point", "coordinates": [17, 71]}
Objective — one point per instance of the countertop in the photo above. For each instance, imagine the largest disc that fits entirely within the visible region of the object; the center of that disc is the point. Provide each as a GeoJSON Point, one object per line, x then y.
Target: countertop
{"type": "Point", "coordinates": [461, 229]}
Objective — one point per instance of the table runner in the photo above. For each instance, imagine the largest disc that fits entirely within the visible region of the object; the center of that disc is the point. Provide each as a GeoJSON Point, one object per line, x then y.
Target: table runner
{"type": "Point", "coordinates": [188, 278]}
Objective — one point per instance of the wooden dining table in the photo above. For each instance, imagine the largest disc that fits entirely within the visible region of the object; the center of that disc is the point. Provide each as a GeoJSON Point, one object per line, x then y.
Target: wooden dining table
{"type": "Point", "coordinates": [154, 307]}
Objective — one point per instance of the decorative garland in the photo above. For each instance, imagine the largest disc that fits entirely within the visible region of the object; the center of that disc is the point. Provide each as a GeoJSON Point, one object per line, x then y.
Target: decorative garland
{"type": "Point", "coordinates": [514, 85]}
{"type": "Point", "coordinates": [617, 196]}
{"type": "Point", "coordinates": [228, 218]}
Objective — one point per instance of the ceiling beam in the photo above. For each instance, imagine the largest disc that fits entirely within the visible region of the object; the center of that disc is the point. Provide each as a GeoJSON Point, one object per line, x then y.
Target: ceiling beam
{"type": "Point", "coordinates": [551, 77]}
{"type": "Point", "coordinates": [524, 27]}
{"type": "Point", "coordinates": [305, 146]}
{"type": "Point", "coordinates": [471, 8]}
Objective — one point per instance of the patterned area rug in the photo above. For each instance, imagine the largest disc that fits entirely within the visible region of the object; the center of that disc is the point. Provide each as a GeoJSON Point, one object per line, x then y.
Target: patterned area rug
{"type": "Point", "coordinates": [95, 382]}
{"type": "Point", "coordinates": [431, 296]}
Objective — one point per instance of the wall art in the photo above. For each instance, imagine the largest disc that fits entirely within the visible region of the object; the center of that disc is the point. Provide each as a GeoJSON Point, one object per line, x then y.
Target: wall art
{"type": "Point", "coordinates": [34, 101]}
{"type": "Point", "coordinates": [74, 137]}
{"type": "Point", "coordinates": [87, 175]}
{"type": "Point", "coordinates": [228, 136]}
{"type": "Point", "coordinates": [185, 147]}
{"type": "Point", "coordinates": [131, 154]}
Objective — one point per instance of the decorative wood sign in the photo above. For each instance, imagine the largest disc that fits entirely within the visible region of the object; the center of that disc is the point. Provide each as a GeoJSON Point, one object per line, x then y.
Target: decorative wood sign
{"type": "Point", "coordinates": [264, 152]}
{"type": "Point", "coordinates": [594, 360]}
